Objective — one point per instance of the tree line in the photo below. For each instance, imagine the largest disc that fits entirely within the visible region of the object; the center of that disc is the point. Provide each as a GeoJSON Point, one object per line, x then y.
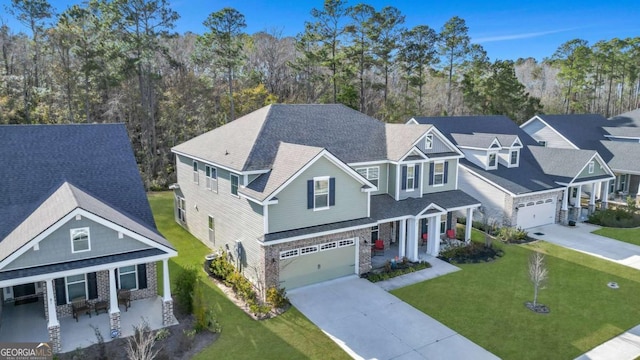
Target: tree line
{"type": "Point", "coordinates": [121, 61]}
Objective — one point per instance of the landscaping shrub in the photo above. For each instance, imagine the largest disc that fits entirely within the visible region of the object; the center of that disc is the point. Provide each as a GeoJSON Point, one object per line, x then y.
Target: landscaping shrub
{"type": "Point", "coordinates": [620, 217]}
{"type": "Point", "coordinates": [472, 253]}
{"type": "Point", "coordinates": [403, 267]}
{"type": "Point", "coordinates": [277, 297]}
{"type": "Point", "coordinates": [511, 235]}
{"type": "Point", "coordinates": [185, 285]}
{"type": "Point", "coordinates": [222, 268]}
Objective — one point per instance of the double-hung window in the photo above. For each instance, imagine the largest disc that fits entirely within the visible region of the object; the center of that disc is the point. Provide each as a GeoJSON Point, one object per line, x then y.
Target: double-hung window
{"type": "Point", "coordinates": [128, 277]}
{"type": "Point", "coordinates": [438, 173]}
{"type": "Point", "coordinates": [211, 175]}
{"type": "Point", "coordinates": [428, 142]}
{"type": "Point", "coordinates": [370, 173]}
{"type": "Point", "coordinates": [492, 161]}
{"type": "Point", "coordinates": [321, 193]}
{"type": "Point", "coordinates": [411, 177]}
{"type": "Point", "coordinates": [195, 172]}
{"type": "Point", "coordinates": [80, 241]}
{"type": "Point", "coordinates": [234, 184]}
{"type": "Point", "coordinates": [76, 287]}
{"type": "Point", "coordinates": [181, 209]}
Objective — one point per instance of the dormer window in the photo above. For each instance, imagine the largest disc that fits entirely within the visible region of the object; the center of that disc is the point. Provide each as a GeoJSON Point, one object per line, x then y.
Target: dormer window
{"type": "Point", "coordinates": [513, 157]}
{"type": "Point", "coordinates": [428, 142]}
{"type": "Point", "coordinates": [492, 161]}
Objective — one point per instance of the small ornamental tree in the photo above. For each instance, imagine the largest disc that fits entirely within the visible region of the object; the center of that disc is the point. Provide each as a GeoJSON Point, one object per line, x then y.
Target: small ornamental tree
{"type": "Point", "coordinates": [538, 275]}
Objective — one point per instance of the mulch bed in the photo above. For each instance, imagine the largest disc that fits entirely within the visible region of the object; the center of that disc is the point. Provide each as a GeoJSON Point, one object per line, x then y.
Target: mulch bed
{"type": "Point", "coordinates": [539, 308]}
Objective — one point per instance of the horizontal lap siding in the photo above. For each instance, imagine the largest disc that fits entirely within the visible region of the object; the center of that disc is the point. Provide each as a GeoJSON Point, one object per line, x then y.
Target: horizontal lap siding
{"type": "Point", "coordinates": [598, 170]}
{"type": "Point", "coordinates": [291, 211]}
{"type": "Point", "coordinates": [235, 218]}
{"type": "Point", "coordinates": [491, 198]}
{"type": "Point", "coordinates": [539, 131]}
{"type": "Point", "coordinates": [451, 178]}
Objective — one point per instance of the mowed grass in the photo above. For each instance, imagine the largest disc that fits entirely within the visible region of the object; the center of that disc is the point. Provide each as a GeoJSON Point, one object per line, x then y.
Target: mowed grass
{"type": "Point", "coordinates": [631, 236]}
{"type": "Point", "coordinates": [485, 303]}
{"type": "Point", "coordinates": [288, 336]}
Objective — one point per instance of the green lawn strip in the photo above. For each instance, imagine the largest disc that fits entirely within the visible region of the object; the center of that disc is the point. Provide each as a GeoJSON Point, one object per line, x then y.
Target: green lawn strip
{"type": "Point", "coordinates": [628, 235]}
{"type": "Point", "coordinates": [288, 336]}
{"type": "Point", "coordinates": [484, 302]}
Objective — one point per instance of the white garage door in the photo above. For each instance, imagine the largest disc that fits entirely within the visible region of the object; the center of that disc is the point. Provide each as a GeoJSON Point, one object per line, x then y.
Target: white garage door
{"type": "Point", "coordinates": [313, 264]}
{"type": "Point", "coordinates": [532, 214]}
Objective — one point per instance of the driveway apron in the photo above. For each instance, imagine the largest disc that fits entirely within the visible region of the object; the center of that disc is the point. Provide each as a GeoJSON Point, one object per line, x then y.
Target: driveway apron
{"type": "Point", "coordinates": [369, 323]}
{"type": "Point", "coordinates": [581, 239]}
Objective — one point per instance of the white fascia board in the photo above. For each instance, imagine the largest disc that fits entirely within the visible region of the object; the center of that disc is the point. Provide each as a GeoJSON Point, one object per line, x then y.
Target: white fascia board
{"type": "Point", "coordinates": [472, 206]}
{"type": "Point", "coordinates": [446, 140]}
{"type": "Point", "coordinates": [533, 193]}
{"type": "Point", "coordinates": [84, 270]}
{"type": "Point", "coordinates": [412, 121]}
{"type": "Point", "coordinates": [208, 162]}
{"type": "Point", "coordinates": [79, 211]}
{"type": "Point", "coordinates": [413, 151]}
{"type": "Point", "coordinates": [329, 156]}
{"type": "Point", "coordinates": [368, 163]}
{"type": "Point", "coordinates": [586, 181]}
{"type": "Point", "coordinates": [596, 157]}
{"type": "Point", "coordinates": [441, 210]}
{"type": "Point", "coordinates": [476, 148]}
{"type": "Point", "coordinates": [623, 137]}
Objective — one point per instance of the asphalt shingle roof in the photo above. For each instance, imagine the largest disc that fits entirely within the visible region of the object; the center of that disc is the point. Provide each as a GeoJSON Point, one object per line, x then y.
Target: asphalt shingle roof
{"type": "Point", "coordinates": [527, 177]}
{"type": "Point", "coordinates": [623, 156]}
{"type": "Point", "coordinates": [289, 159]}
{"type": "Point", "coordinates": [385, 207]}
{"type": "Point", "coordinates": [401, 137]}
{"type": "Point", "coordinates": [561, 164]}
{"type": "Point", "coordinates": [251, 142]}
{"type": "Point", "coordinates": [96, 158]}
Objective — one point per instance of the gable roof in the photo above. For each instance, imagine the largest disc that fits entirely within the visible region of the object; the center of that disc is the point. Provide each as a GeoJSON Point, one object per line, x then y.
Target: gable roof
{"type": "Point", "coordinates": [61, 203]}
{"type": "Point", "coordinates": [526, 178]}
{"type": "Point", "coordinates": [623, 156]}
{"type": "Point", "coordinates": [251, 142]}
{"type": "Point", "coordinates": [622, 131]}
{"type": "Point", "coordinates": [97, 158]}
{"type": "Point", "coordinates": [563, 165]}
{"type": "Point", "coordinates": [400, 138]}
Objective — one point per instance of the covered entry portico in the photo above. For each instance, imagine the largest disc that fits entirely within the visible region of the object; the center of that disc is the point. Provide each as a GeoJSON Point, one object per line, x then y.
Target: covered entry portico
{"type": "Point", "coordinates": [415, 218]}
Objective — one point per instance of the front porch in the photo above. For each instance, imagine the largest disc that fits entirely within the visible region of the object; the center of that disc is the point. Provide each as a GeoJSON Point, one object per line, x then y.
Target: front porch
{"type": "Point", "coordinates": [33, 325]}
{"type": "Point", "coordinates": [392, 252]}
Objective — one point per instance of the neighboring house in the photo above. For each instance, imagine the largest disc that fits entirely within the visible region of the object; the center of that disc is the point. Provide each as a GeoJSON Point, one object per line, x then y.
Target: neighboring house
{"type": "Point", "coordinates": [298, 194]}
{"type": "Point", "coordinates": [617, 140]}
{"type": "Point", "coordinates": [519, 182]}
{"type": "Point", "coordinates": [76, 224]}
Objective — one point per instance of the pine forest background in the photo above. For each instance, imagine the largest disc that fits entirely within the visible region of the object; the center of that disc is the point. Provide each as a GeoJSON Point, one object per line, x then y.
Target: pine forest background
{"type": "Point", "coordinates": [119, 61]}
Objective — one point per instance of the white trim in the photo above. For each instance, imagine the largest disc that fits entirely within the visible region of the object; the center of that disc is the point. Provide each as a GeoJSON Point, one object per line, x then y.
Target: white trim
{"type": "Point", "coordinates": [433, 176]}
{"type": "Point", "coordinates": [623, 137]}
{"type": "Point", "coordinates": [474, 206]}
{"type": "Point", "coordinates": [422, 214]}
{"type": "Point", "coordinates": [539, 192]}
{"type": "Point", "coordinates": [412, 121]}
{"type": "Point", "coordinates": [601, 162]}
{"type": "Point", "coordinates": [495, 141]}
{"type": "Point", "coordinates": [368, 163]}
{"type": "Point", "coordinates": [428, 141]}
{"type": "Point", "coordinates": [66, 287]}
{"type": "Point", "coordinates": [592, 167]}
{"type": "Point", "coordinates": [457, 173]}
{"type": "Point", "coordinates": [237, 194]}
{"type": "Point", "coordinates": [413, 178]}
{"type": "Point", "coordinates": [74, 232]}
{"type": "Point", "coordinates": [550, 127]}
{"type": "Point", "coordinates": [326, 154]}
{"type": "Point", "coordinates": [135, 272]}
{"type": "Point", "coordinates": [265, 218]}
{"type": "Point", "coordinates": [367, 170]}
{"type": "Point", "coordinates": [196, 172]}
{"type": "Point", "coordinates": [488, 181]}
{"type": "Point", "coordinates": [312, 235]}
{"type": "Point", "coordinates": [249, 172]}
{"type": "Point", "coordinates": [328, 194]}
{"type": "Point", "coordinates": [488, 165]}
{"type": "Point", "coordinates": [24, 248]}
{"type": "Point", "coordinates": [398, 178]}
{"type": "Point", "coordinates": [414, 151]}
{"type": "Point", "coordinates": [210, 180]}
{"type": "Point", "coordinates": [517, 164]}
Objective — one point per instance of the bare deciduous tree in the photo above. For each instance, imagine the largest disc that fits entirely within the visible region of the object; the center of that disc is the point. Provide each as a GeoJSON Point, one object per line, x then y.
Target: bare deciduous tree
{"type": "Point", "coordinates": [140, 345]}
{"type": "Point", "coordinates": [538, 274]}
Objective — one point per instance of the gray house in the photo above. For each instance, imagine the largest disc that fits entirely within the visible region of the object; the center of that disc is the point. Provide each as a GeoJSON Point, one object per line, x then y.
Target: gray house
{"type": "Point", "coordinates": [617, 140]}
{"type": "Point", "coordinates": [297, 194]}
{"type": "Point", "coordinates": [519, 182]}
{"type": "Point", "coordinates": [76, 229]}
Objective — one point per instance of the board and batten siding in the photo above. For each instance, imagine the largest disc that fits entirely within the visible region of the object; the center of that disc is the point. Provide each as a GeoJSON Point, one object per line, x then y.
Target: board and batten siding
{"type": "Point", "coordinates": [540, 132]}
{"type": "Point", "coordinates": [598, 170]}
{"type": "Point", "coordinates": [56, 247]}
{"type": "Point", "coordinates": [291, 211]}
{"type": "Point", "coordinates": [235, 218]}
{"type": "Point", "coordinates": [439, 146]}
{"type": "Point", "coordinates": [451, 178]}
{"type": "Point", "coordinates": [491, 198]}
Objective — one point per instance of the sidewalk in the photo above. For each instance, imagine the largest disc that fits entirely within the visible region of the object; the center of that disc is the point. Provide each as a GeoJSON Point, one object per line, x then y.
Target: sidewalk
{"type": "Point", "coordinates": [622, 347]}
{"type": "Point", "coordinates": [438, 268]}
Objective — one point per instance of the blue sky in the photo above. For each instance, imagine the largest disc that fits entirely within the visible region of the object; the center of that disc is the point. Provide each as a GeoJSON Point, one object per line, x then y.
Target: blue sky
{"type": "Point", "coordinates": [506, 29]}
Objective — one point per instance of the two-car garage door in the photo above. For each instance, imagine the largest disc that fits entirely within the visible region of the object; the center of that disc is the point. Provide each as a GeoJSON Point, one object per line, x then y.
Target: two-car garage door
{"type": "Point", "coordinates": [536, 213]}
{"type": "Point", "coordinates": [316, 263]}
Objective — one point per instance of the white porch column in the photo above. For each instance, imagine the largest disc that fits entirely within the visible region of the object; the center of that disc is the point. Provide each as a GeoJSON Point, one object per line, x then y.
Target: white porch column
{"type": "Point", "coordinates": [51, 305]}
{"type": "Point", "coordinates": [402, 241]}
{"type": "Point", "coordinates": [565, 198]}
{"type": "Point", "coordinates": [166, 284]}
{"type": "Point", "coordinates": [113, 295]}
{"type": "Point", "coordinates": [412, 236]}
{"type": "Point", "coordinates": [468, 226]}
{"type": "Point", "coordinates": [592, 196]}
{"type": "Point", "coordinates": [434, 236]}
{"type": "Point", "coordinates": [604, 191]}
{"type": "Point", "coordinates": [576, 203]}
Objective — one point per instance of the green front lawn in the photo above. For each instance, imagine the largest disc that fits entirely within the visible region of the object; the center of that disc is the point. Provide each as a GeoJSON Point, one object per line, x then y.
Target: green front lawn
{"type": "Point", "coordinates": [485, 303]}
{"type": "Point", "coordinates": [288, 336]}
{"type": "Point", "coordinates": [629, 235]}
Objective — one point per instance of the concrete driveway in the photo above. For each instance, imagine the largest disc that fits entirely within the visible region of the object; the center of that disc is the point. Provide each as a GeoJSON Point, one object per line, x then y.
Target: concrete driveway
{"type": "Point", "coordinates": [580, 238]}
{"type": "Point", "coordinates": [369, 323]}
